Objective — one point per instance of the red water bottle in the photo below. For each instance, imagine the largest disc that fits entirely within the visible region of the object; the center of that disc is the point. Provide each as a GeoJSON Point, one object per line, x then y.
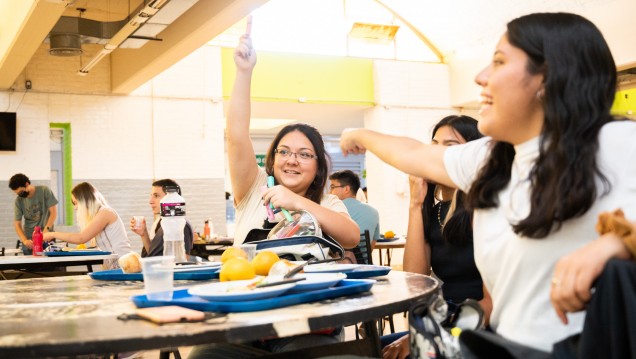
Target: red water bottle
{"type": "Point", "coordinates": [37, 241]}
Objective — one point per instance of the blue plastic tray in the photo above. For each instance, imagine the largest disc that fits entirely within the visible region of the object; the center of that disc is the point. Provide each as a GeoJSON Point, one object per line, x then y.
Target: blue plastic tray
{"type": "Point", "coordinates": [183, 299]}
{"type": "Point", "coordinates": [367, 271]}
{"type": "Point", "coordinates": [76, 253]}
{"type": "Point", "coordinates": [386, 240]}
{"type": "Point", "coordinates": [118, 274]}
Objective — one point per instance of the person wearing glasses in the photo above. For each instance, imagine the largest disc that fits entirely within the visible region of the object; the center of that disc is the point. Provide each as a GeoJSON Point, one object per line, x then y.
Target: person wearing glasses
{"type": "Point", "coordinates": [345, 184]}
{"type": "Point", "coordinates": [296, 158]}
{"type": "Point", "coordinates": [552, 159]}
{"type": "Point", "coordinates": [36, 204]}
{"type": "Point", "coordinates": [298, 161]}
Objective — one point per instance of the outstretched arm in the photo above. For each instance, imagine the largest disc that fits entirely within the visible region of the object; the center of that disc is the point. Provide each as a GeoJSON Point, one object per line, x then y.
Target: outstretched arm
{"type": "Point", "coordinates": [242, 162]}
{"type": "Point", "coordinates": [98, 224]}
{"type": "Point", "coordinates": [404, 153]}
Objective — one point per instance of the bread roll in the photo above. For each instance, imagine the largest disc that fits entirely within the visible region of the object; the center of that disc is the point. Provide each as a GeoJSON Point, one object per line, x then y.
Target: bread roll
{"type": "Point", "coordinates": [130, 263]}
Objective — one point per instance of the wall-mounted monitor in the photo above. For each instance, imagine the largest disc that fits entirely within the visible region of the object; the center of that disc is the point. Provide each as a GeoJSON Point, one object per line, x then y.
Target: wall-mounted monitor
{"type": "Point", "coordinates": [8, 131]}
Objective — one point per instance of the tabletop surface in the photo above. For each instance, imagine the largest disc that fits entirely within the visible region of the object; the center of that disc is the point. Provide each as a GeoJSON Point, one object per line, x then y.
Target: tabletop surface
{"type": "Point", "coordinates": [77, 315]}
{"type": "Point", "coordinates": [22, 259]}
{"type": "Point", "coordinates": [399, 242]}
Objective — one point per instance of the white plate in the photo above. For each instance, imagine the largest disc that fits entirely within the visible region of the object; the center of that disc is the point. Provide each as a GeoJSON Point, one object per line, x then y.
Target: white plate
{"type": "Point", "coordinates": [330, 268]}
{"type": "Point", "coordinates": [316, 281]}
{"type": "Point", "coordinates": [222, 291]}
{"type": "Point", "coordinates": [196, 267]}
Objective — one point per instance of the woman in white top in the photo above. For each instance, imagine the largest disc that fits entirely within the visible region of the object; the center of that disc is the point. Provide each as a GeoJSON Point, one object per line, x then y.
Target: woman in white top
{"type": "Point", "coordinates": [96, 220]}
{"type": "Point", "coordinates": [296, 158]}
{"type": "Point", "coordinates": [554, 159]}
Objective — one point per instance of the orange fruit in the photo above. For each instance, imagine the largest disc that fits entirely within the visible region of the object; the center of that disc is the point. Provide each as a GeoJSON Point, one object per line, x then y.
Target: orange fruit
{"type": "Point", "coordinates": [263, 261]}
{"type": "Point", "coordinates": [232, 252]}
{"type": "Point", "coordinates": [81, 246]}
{"type": "Point", "coordinates": [237, 268]}
{"type": "Point", "coordinates": [389, 234]}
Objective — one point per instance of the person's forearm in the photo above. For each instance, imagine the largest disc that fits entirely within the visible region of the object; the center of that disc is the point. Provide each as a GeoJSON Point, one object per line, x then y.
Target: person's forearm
{"type": "Point", "coordinates": [52, 217]}
{"type": "Point", "coordinates": [18, 230]}
{"type": "Point", "coordinates": [340, 227]}
{"type": "Point", "coordinates": [416, 251]}
{"type": "Point", "coordinates": [145, 240]}
{"type": "Point", "coordinates": [403, 153]}
{"type": "Point", "coordinates": [75, 238]}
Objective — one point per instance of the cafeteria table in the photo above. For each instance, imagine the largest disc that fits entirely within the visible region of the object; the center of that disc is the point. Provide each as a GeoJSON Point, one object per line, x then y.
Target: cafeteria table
{"type": "Point", "coordinates": [388, 246]}
{"type": "Point", "coordinates": [34, 263]}
{"type": "Point", "coordinates": [76, 315]}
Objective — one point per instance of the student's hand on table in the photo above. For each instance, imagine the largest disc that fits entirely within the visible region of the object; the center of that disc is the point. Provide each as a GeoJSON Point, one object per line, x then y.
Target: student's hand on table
{"type": "Point", "coordinates": [349, 144]}
{"type": "Point", "coordinates": [399, 349]}
{"type": "Point", "coordinates": [575, 273]}
{"type": "Point", "coordinates": [418, 189]}
{"type": "Point", "coordinates": [28, 243]}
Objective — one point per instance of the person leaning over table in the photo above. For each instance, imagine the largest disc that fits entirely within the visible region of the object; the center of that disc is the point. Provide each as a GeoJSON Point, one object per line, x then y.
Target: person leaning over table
{"type": "Point", "coordinates": [36, 204]}
{"type": "Point", "coordinates": [298, 162]}
{"type": "Point", "coordinates": [440, 236]}
{"type": "Point", "coordinates": [96, 220]}
{"type": "Point", "coordinates": [553, 159]}
{"type": "Point", "coordinates": [153, 239]}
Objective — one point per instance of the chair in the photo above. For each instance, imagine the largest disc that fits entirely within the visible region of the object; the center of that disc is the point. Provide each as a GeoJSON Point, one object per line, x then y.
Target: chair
{"type": "Point", "coordinates": [363, 251]}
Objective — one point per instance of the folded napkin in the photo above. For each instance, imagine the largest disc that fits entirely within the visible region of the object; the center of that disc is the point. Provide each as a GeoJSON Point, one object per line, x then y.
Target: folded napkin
{"type": "Point", "coordinates": [615, 222]}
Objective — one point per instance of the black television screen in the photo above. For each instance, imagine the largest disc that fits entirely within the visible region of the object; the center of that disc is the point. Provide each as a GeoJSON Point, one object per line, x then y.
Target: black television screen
{"type": "Point", "coordinates": [7, 131]}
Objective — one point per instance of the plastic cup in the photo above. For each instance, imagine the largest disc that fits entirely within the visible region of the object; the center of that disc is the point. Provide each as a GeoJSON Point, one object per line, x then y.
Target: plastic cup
{"type": "Point", "coordinates": [138, 221]}
{"type": "Point", "coordinates": [250, 249]}
{"type": "Point", "coordinates": [158, 277]}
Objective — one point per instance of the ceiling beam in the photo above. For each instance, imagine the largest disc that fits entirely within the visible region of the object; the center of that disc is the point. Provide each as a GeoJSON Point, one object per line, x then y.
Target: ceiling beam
{"type": "Point", "coordinates": [131, 68]}
{"type": "Point", "coordinates": [24, 25]}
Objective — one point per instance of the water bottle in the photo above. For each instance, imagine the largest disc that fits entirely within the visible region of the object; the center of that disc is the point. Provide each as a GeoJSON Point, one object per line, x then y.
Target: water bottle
{"type": "Point", "coordinates": [37, 241]}
{"type": "Point", "coordinates": [173, 223]}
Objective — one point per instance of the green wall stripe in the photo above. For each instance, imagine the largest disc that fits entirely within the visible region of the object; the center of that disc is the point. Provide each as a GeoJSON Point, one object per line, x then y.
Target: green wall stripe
{"type": "Point", "coordinates": [68, 171]}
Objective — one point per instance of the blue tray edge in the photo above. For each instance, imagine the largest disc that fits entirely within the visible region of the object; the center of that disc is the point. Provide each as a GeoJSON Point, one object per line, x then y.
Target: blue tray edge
{"type": "Point", "coordinates": [183, 299]}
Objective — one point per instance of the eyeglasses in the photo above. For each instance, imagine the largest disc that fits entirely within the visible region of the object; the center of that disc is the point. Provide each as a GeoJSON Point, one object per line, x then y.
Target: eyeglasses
{"type": "Point", "coordinates": [332, 187]}
{"type": "Point", "coordinates": [300, 156]}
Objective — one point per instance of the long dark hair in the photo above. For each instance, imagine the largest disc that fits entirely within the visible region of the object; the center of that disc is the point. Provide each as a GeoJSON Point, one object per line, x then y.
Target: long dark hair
{"type": "Point", "coordinates": [580, 84]}
{"type": "Point", "coordinates": [317, 186]}
{"type": "Point", "coordinates": [459, 224]}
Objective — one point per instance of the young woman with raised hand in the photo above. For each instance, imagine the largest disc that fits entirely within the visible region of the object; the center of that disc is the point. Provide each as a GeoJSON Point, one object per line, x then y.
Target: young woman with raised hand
{"type": "Point", "coordinates": [296, 158]}
{"type": "Point", "coordinates": [96, 220]}
{"type": "Point", "coordinates": [553, 160]}
{"type": "Point", "coordinates": [299, 164]}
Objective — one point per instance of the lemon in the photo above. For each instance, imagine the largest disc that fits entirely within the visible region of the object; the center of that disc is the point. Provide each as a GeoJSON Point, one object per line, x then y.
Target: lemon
{"type": "Point", "coordinates": [263, 261]}
{"type": "Point", "coordinates": [233, 252]}
{"type": "Point", "coordinates": [237, 268]}
{"type": "Point", "coordinates": [389, 234]}
{"type": "Point", "coordinates": [81, 246]}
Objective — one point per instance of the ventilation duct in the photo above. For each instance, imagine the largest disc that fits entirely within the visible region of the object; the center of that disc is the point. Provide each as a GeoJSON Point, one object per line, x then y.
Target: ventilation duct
{"type": "Point", "coordinates": [65, 45]}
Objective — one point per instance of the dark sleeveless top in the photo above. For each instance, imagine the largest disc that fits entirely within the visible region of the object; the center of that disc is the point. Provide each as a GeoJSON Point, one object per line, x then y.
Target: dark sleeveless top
{"type": "Point", "coordinates": [453, 264]}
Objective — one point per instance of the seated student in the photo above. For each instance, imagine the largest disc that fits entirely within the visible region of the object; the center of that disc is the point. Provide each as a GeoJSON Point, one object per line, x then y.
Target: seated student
{"type": "Point", "coordinates": [346, 184]}
{"type": "Point", "coordinates": [553, 160]}
{"type": "Point", "coordinates": [298, 161]}
{"type": "Point", "coordinates": [153, 239]}
{"type": "Point", "coordinates": [439, 235]}
{"type": "Point", "coordinates": [96, 220]}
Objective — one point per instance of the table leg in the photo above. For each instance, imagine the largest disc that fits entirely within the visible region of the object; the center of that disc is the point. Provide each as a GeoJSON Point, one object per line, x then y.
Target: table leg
{"type": "Point", "coordinates": [388, 257]}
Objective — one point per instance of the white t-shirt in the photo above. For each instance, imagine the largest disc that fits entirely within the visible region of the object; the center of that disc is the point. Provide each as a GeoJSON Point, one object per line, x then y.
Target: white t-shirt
{"type": "Point", "coordinates": [251, 212]}
{"type": "Point", "coordinates": [517, 270]}
{"type": "Point", "coordinates": [113, 239]}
